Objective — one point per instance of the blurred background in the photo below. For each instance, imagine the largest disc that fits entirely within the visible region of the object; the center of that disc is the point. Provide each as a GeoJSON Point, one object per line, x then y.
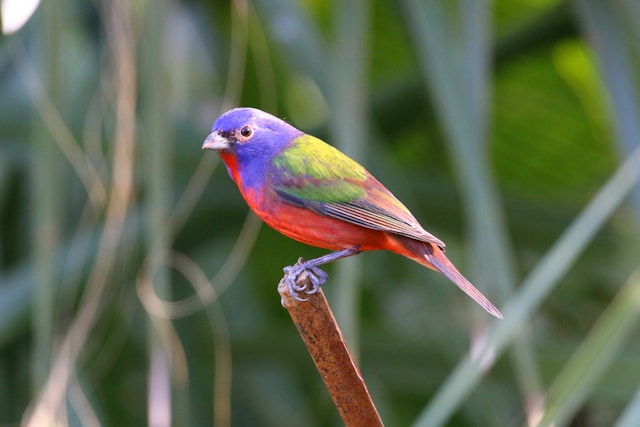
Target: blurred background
{"type": "Point", "coordinates": [135, 288]}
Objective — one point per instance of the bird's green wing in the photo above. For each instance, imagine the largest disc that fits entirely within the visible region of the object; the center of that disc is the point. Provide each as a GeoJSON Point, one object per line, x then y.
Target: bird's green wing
{"type": "Point", "coordinates": [316, 176]}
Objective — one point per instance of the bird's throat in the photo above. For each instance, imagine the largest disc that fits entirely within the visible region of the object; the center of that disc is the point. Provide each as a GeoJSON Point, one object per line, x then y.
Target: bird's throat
{"type": "Point", "coordinates": [231, 162]}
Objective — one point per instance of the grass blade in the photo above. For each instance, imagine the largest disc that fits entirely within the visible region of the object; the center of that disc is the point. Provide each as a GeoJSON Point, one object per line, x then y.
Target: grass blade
{"type": "Point", "coordinates": [540, 282]}
{"type": "Point", "coordinates": [347, 101]}
{"type": "Point", "coordinates": [597, 352]}
{"type": "Point", "coordinates": [461, 97]}
{"type": "Point", "coordinates": [631, 414]}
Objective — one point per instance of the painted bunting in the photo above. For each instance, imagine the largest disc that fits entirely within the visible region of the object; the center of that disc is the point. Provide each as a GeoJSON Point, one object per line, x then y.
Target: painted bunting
{"type": "Point", "coordinates": [311, 192]}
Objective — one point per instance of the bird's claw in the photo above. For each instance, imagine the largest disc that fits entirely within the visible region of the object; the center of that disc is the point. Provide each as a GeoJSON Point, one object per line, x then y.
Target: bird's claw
{"type": "Point", "coordinates": [303, 278]}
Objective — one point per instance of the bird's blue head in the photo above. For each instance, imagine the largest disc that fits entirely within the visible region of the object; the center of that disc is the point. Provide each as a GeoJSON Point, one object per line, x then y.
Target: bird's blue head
{"type": "Point", "coordinates": [249, 132]}
{"type": "Point", "coordinates": [249, 138]}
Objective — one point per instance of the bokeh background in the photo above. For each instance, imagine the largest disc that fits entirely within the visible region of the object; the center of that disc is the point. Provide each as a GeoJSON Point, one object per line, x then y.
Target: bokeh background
{"type": "Point", "coordinates": [135, 288]}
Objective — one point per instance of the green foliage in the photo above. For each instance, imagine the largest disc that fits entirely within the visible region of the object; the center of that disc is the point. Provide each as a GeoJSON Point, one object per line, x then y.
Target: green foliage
{"type": "Point", "coordinates": [134, 287]}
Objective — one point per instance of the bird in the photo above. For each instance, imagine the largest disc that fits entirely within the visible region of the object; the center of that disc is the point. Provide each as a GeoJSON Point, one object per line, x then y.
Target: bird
{"type": "Point", "coordinates": [311, 192]}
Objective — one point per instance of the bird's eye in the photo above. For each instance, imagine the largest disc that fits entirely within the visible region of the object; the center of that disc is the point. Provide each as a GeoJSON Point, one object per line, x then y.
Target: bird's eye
{"type": "Point", "coordinates": [246, 132]}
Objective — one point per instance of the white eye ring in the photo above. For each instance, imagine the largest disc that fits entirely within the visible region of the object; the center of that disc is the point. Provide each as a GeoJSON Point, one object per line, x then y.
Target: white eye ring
{"type": "Point", "coordinates": [245, 133]}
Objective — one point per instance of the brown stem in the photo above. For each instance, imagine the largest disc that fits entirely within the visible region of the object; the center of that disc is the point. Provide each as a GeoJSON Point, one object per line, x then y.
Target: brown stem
{"type": "Point", "coordinates": [322, 336]}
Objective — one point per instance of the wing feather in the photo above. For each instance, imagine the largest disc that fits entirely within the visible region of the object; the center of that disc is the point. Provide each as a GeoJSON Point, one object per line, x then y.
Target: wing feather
{"type": "Point", "coordinates": [379, 218]}
{"type": "Point", "coordinates": [316, 176]}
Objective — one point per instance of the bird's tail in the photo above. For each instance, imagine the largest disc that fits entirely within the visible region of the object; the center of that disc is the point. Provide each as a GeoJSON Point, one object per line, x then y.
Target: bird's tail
{"type": "Point", "coordinates": [434, 258]}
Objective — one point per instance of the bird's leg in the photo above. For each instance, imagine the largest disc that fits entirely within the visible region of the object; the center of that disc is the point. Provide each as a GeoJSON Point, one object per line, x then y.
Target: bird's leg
{"type": "Point", "coordinates": [316, 276]}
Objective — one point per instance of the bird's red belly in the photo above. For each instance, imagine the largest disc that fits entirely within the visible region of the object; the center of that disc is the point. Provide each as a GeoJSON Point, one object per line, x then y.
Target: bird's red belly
{"type": "Point", "coordinates": [322, 231]}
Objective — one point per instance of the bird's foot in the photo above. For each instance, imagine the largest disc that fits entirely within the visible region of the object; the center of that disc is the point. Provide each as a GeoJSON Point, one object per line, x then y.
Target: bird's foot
{"type": "Point", "coordinates": [303, 278]}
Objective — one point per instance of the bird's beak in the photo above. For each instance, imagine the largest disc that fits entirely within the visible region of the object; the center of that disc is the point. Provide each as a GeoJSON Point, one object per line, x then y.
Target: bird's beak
{"type": "Point", "coordinates": [216, 142]}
